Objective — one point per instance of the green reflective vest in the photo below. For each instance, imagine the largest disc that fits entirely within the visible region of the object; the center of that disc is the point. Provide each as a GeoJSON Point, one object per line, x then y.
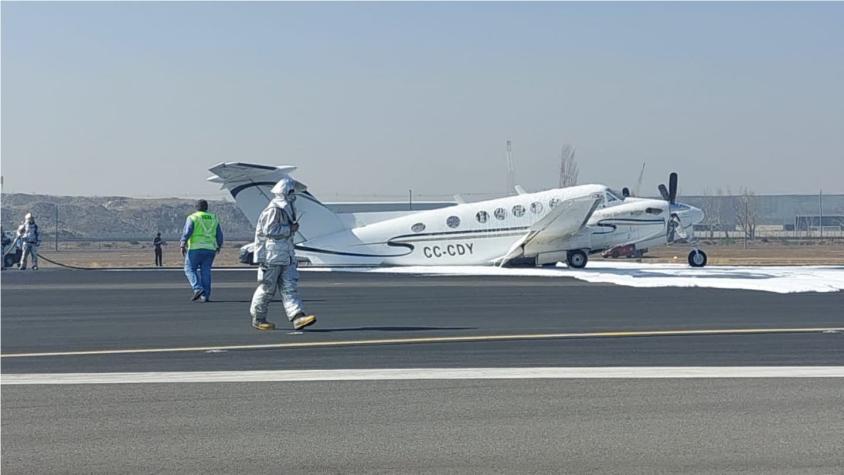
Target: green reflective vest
{"type": "Point", "coordinates": [204, 234]}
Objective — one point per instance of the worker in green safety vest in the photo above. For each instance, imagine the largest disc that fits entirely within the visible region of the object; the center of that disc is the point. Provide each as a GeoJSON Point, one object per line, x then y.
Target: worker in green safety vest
{"type": "Point", "coordinates": [201, 240]}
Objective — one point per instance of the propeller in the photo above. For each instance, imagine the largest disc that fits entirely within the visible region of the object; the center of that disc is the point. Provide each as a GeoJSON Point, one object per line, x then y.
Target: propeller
{"type": "Point", "coordinates": [672, 187]}
{"type": "Point", "coordinates": [675, 226]}
{"type": "Point", "coordinates": [669, 194]}
{"type": "Point", "coordinates": [664, 192]}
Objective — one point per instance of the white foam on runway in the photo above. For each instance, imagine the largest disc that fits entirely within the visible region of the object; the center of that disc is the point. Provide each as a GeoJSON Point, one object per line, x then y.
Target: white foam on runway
{"type": "Point", "coordinates": [415, 374]}
{"type": "Point", "coordinates": [780, 279]}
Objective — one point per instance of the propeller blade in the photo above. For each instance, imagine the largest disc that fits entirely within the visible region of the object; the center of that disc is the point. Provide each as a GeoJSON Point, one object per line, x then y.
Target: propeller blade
{"type": "Point", "coordinates": [672, 188]}
{"type": "Point", "coordinates": [625, 192]}
{"type": "Point", "coordinates": [673, 223]}
{"type": "Point", "coordinates": [675, 230]}
{"type": "Point", "coordinates": [664, 192]}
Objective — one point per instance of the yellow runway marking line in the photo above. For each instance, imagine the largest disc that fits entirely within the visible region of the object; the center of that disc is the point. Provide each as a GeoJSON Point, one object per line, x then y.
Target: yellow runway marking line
{"type": "Point", "coordinates": [434, 339]}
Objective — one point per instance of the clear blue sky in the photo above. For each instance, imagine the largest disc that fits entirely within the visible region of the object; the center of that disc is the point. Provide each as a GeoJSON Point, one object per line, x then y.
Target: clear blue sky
{"type": "Point", "coordinates": [141, 98]}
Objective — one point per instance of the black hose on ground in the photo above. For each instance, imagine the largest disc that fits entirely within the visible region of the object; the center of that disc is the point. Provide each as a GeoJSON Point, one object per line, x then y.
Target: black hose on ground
{"type": "Point", "coordinates": [66, 266]}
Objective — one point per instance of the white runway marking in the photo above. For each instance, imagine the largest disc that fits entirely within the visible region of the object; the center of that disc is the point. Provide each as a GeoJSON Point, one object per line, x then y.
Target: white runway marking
{"type": "Point", "coordinates": [779, 279]}
{"type": "Point", "coordinates": [416, 374]}
{"type": "Point", "coordinates": [432, 339]}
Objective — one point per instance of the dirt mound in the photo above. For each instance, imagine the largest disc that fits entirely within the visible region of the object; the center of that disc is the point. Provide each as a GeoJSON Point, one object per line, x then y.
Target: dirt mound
{"type": "Point", "coordinates": [116, 217]}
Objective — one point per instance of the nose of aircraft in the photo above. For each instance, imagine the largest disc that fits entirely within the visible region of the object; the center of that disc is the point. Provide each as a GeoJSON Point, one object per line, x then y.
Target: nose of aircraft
{"type": "Point", "coordinates": [689, 215]}
{"type": "Point", "coordinates": [695, 215]}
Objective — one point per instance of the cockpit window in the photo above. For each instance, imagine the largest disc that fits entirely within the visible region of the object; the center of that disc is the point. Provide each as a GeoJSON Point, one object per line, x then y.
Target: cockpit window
{"type": "Point", "coordinates": [612, 197]}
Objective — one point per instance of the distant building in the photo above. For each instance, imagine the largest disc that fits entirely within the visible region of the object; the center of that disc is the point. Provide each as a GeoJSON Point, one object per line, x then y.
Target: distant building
{"type": "Point", "coordinates": [774, 212]}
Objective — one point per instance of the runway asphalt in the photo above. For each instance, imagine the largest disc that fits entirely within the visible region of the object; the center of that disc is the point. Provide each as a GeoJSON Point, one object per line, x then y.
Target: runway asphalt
{"type": "Point", "coordinates": [65, 311]}
{"type": "Point", "coordinates": [529, 426]}
{"type": "Point", "coordinates": [595, 426]}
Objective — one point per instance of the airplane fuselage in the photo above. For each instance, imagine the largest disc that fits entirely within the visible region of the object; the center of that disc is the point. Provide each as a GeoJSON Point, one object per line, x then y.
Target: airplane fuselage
{"type": "Point", "coordinates": [480, 233]}
{"type": "Point", "coordinates": [540, 228]}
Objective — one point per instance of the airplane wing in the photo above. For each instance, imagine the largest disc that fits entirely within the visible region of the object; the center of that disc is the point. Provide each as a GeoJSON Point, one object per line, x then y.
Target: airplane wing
{"type": "Point", "coordinates": [565, 219]}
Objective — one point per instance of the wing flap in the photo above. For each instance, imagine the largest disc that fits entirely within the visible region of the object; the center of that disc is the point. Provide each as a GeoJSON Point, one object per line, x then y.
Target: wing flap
{"type": "Point", "coordinates": [565, 219]}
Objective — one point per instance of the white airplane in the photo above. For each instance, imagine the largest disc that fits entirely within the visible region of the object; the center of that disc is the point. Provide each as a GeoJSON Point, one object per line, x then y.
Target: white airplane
{"type": "Point", "coordinates": [543, 228]}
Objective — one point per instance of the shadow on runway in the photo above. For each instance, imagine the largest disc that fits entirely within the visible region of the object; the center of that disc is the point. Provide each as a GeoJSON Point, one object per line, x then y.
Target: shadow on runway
{"type": "Point", "coordinates": [271, 301]}
{"type": "Point", "coordinates": [384, 329]}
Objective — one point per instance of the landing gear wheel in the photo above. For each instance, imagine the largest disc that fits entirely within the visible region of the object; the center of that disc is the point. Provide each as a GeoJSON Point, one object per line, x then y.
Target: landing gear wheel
{"type": "Point", "coordinates": [576, 259]}
{"type": "Point", "coordinates": [697, 258]}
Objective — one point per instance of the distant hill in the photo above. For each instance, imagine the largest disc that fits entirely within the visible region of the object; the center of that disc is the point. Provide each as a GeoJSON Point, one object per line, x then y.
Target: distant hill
{"type": "Point", "coordinates": [116, 217]}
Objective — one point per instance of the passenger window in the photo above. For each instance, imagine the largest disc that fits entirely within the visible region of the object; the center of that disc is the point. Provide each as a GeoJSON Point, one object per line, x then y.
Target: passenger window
{"type": "Point", "coordinates": [453, 221]}
{"type": "Point", "coordinates": [536, 207]}
{"type": "Point", "coordinates": [500, 213]}
{"type": "Point", "coordinates": [482, 216]}
{"type": "Point", "coordinates": [653, 211]}
{"type": "Point", "coordinates": [518, 211]}
{"type": "Point", "coordinates": [417, 228]}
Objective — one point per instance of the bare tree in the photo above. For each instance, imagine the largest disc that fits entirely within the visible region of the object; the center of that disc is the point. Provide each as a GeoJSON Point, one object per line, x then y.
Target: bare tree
{"type": "Point", "coordinates": [746, 213]}
{"type": "Point", "coordinates": [568, 167]}
{"type": "Point", "coordinates": [712, 211]}
{"type": "Point", "coordinates": [724, 208]}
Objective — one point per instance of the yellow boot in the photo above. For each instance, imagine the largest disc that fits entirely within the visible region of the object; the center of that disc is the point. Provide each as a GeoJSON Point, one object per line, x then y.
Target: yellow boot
{"type": "Point", "coordinates": [263, 325]}
{"type": "Point", "coordinates": [301, 321]}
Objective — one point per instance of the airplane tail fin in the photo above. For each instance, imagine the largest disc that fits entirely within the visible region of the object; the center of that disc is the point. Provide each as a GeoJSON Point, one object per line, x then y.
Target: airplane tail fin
{"type": "Point", "coordinates": [250, 186]}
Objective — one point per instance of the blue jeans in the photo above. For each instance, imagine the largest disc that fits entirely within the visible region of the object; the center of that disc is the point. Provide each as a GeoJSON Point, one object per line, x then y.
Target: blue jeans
{"type": "Point", "coordinates": [198, 270]}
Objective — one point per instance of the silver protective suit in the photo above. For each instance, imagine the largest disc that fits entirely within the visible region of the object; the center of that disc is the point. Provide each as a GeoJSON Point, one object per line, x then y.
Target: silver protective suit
{"type": "Point", "coordinates": [30, 240]}
{"type": "Point", "coordinates": [275, 253]}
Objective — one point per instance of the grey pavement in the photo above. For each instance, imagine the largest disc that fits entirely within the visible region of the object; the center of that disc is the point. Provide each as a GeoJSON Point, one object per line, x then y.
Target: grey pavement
{"type": "Point", "coordinates": [72, 311]}
{"type": "Point", "coordinates": [539, 426]}
{"type": "Point", "coordinates": [467, 426]}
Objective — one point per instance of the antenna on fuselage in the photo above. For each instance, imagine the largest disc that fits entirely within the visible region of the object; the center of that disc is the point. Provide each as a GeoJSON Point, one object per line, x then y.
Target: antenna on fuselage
{"type": "Point", "coordinates": [639, 183]}
{"type": "Point", "coordinates": [511, 170]}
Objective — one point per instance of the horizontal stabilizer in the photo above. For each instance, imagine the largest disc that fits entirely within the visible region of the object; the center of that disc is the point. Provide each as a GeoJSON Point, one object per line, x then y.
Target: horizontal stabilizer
{"type": "Point", "coordinates": [236, 173]}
